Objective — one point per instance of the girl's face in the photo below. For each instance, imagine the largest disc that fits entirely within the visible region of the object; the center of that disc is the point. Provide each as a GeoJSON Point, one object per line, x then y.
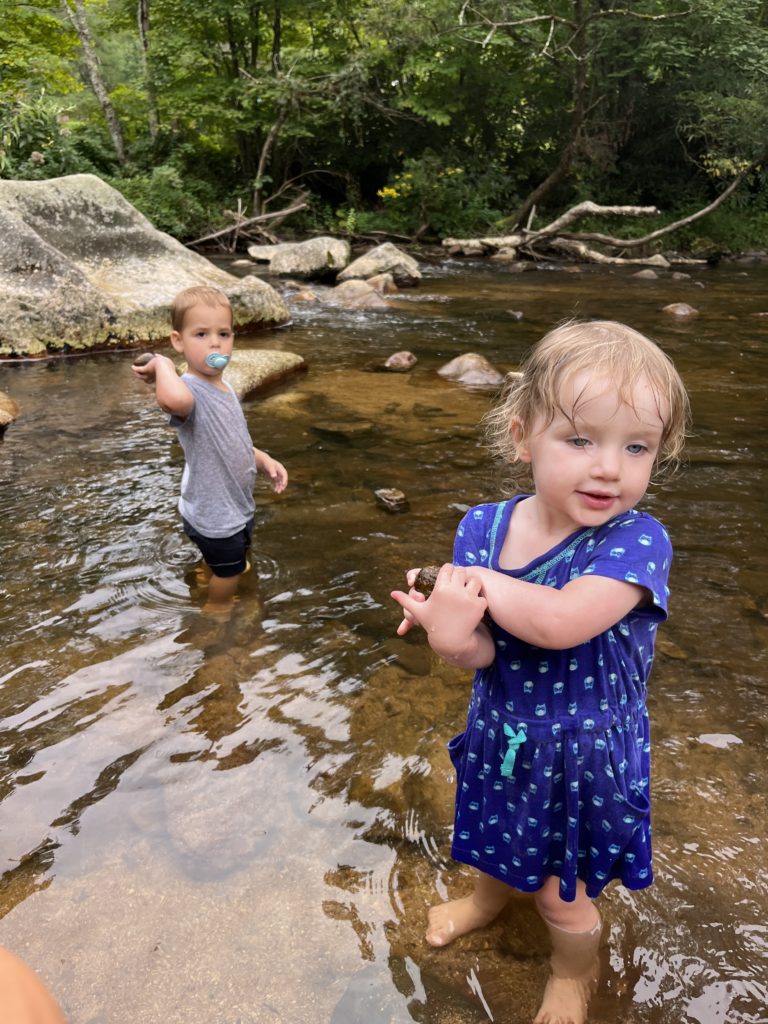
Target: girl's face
{"type": "Point", "coordinates": [595, 462]}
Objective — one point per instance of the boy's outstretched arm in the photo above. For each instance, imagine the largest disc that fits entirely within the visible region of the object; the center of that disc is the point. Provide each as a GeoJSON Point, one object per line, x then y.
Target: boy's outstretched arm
{"type": "Point", "coordinates": [270, 467]}
{"type": "Point", "coordinates": [556, 619]}
{"type": "Point", "coordinates": [173, 395]}
{"type": "Point", "coordinates": [452, 618]}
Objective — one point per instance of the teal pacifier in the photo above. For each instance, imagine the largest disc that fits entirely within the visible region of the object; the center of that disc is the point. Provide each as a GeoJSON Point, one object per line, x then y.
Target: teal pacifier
{"type": "Point", "coordinates": [216, 360]}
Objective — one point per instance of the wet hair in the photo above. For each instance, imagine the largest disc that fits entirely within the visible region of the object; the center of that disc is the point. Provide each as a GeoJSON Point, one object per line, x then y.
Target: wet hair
{"type": "Point", "coordinates": [603, 349]}
{"type": "Point", "coordinates": [195, 296]}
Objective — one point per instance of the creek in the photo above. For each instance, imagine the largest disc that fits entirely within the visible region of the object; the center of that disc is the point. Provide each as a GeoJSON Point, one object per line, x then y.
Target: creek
{"type": "Point", "coordinates": [246, 822]}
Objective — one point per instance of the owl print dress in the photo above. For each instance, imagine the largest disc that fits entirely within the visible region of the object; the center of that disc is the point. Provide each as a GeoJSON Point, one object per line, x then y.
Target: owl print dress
{"type": "Point", "coordinates": [552, 771]}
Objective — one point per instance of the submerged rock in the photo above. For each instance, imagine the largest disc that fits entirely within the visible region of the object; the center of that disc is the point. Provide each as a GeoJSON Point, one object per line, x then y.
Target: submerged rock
{"type": "Point", "coordinates": [680, 309]}
{"type": "Point", "coordinates": [81, 268]}
{"type": "Point", "coordinates": [472, 369]}
{"type": "Point", "coordinates": [356, 295]}
{"type": "Point", "coordinates": [9, 411]}
{"type": "Point", "coordinates": [392, 499]}
{"type": "Point", "coordinates": [401, 362]}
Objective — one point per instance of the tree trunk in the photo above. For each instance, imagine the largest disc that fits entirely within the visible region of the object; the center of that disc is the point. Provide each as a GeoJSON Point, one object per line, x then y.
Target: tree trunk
{"type": "Point", "coordinates": [142, 16]}
{"type": "Point", "coordinates": [579, 47]}
{"type": "Point", "coordinates": [75, 11]}
{"type": "Point", "coordinates": [266, 149]}
{"type": "Point", "coordinates": [277, 39]}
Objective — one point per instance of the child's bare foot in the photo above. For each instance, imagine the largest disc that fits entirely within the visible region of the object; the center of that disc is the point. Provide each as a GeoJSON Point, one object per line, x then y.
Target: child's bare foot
{"type": "Point", "coordinates": [575, 972]}
{"type": "Point", "coordinates": [565, 1001]}
{"type": "Point", "coordinates": [447, 921]}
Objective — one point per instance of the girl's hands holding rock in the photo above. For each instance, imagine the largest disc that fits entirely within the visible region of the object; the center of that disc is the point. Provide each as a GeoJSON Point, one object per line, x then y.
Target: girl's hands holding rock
{"type": "Point", "coordinates": [450, 615]}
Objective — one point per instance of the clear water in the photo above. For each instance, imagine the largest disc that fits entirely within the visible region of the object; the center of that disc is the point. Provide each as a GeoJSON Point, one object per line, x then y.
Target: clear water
{"type": "Point", "coordinates": [247, 822]}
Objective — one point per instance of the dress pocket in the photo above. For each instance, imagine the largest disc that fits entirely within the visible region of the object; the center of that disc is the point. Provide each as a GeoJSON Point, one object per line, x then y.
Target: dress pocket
{"type": "Point", "coordinates": [456, 749]}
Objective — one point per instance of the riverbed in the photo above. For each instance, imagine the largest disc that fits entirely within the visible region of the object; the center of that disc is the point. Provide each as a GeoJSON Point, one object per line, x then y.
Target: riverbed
{"type": "Point", "coordinates": [220, 823]}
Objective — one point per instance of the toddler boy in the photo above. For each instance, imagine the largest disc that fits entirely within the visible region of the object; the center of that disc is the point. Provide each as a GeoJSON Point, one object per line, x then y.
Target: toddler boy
{"type": "Point", "coordinates": [216, 502]}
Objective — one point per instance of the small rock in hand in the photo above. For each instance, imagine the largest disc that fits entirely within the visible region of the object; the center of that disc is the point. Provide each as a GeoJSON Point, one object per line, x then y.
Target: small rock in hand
{"type": "Point", "coordinates": [425, 580]}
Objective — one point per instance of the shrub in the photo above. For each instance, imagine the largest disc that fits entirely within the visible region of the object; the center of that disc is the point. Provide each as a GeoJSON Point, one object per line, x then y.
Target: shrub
{"type": "Point", "coordinates": [175, 205]}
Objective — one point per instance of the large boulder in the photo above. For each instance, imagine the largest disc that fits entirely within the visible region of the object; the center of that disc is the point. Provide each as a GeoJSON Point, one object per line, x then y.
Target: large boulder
{"type": "Point", "coordinates": [80, 268]}
{"type": "Point", "coordinates": [384, 259]}
{"type": "Point", "coordinates": [316, 258]}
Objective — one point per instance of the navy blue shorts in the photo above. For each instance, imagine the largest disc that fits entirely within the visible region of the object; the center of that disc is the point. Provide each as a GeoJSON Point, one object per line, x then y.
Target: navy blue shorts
{"type": "Point", "coordinates": [224, 556]}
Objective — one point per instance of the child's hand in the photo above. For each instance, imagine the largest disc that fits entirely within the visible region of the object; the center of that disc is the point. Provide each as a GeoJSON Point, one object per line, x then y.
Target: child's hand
{"type": "Point", "coordinates": [450, 615]}
{"type": "Point", "coordinates": [270, 467]}
{"type": "Point", "coordinates": [408, 621]}
{"type": "Point", "coordinates": [145, 367]}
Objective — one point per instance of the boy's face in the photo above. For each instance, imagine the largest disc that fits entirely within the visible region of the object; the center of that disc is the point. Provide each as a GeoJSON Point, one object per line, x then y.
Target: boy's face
{"type": "Point", "coordinates": [207, 329]}
{"type": "Point", "coordinates": [596, 462]}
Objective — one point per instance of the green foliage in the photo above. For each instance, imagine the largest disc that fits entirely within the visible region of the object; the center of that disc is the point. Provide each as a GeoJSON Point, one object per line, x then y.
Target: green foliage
{"type": "Point", "coordinates": [179, 207]}
{"type": "Point", "coordinates": [36, 48]}
{"type": "Point", "coordinates": [429, 196]}
{"type": "Point", "coordinates": [415, 116]}
{"type": "Point", "coordinates": [36, 139]}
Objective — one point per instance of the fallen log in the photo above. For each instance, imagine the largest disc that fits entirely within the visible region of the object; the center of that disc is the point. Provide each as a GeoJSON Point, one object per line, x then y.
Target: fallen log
{"type": "Point", "coordinates": [572, 243]}
{"type": "Point", "coordinates": [587, 255]}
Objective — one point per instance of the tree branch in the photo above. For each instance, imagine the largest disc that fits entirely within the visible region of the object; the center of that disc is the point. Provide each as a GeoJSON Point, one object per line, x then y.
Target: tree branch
{"type": "Point", "coordinates": [633, 243]}
{"type": "Point", "coordinates": [246, 223]}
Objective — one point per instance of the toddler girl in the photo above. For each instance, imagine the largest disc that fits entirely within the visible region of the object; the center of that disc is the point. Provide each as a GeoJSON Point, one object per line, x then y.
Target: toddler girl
{"type": "Point", "coordinates": [554, 598]}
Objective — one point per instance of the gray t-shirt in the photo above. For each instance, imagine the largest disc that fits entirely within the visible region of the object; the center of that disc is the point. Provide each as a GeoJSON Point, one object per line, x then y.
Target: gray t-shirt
{"type": "Point", "coordinates": [217, 485]}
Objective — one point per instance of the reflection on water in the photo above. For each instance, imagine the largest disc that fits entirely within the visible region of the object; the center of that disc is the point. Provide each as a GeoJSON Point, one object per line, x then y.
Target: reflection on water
{"type": "Point", "coordinates": [247, 821]}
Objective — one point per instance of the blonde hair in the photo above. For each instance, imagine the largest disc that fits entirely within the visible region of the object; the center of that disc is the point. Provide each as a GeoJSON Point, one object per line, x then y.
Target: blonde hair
{"type": "Point", "coordinates": [195, 296]}
{"type": "Point", "coordinates": [602, 348]}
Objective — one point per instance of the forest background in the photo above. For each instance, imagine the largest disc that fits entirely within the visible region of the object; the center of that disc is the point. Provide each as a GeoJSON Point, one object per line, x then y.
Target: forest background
{"type": "Point", "coordinates": [414, 118]}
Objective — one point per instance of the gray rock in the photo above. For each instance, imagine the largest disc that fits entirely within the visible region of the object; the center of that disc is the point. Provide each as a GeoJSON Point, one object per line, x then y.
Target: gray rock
{"type": "Point", "coordinates": [472, 369]}
{"type": "Point", "coordinates": [384, 259]}
{"type": "Point", "coordinates": [254, 370]}
{"type": "Point", "coordinates": [356, 295]}
{"type": "Point", "coordinates": [305, 295]}
{"type": "Point", "coordinates": [646, 275]}
{"type": "Point", "coordinates": [80, 268]}
{"type": "Point", "coordinates": [316, 258]}
{"type": "Point", "coordinates": [383, 283]}
{"type": "Point", "coordinates": [680, 309]}
{"type": "Point", "coordinates": [392, 499]}
{"type": "Point", "coordinates": [400, 362]}
{"type": "Point", "coordinates": [505, 256]}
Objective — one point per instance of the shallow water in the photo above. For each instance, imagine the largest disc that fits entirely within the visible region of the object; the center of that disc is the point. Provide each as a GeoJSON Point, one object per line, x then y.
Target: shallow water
{"type": "Point", "coordinates": [247, 822]}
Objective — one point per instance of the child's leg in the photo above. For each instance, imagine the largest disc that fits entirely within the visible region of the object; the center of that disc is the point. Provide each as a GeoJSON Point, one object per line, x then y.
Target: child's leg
{"type": "Point", "coordinates": [574, 929]}
{"type": "Point", "coordinates": [221, 594]}
{"type": "Point", "coordinates": [224, 561]}
{"type": "Point", "coordinates": [202, 574]}
{"type": "Point", "coordinates": [23, 997]}
{"type": "Point", "coordinates": [449, 920]}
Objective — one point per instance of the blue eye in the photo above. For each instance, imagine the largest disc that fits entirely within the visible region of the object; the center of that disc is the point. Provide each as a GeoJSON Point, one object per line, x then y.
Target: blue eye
{"type": "Point", "coordinates": [579, 442]}
{"type": "Point", "coordinates": [636, 449]}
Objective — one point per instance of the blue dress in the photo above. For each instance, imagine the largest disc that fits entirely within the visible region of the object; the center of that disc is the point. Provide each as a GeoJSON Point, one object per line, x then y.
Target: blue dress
{"type": "Point", "coordinates": [552, 771]}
